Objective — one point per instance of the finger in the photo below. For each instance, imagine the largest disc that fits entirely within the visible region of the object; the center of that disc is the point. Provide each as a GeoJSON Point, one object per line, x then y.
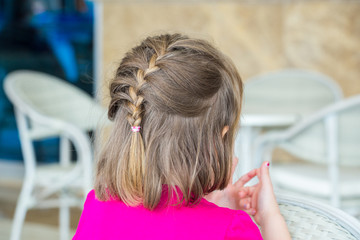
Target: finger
{"type": "Point", "coordinates": [251, 211]}
{"type": "Point", "coordinates": [245, 178]}
{"type": "Point", "coordinates": [249, 190]}
{"type": "Point", "coordinates": [245, 204]}
{"type": "Point", "coordinates": [258, 173]}
{"type": "Point", "coordinates": [264, 174]}
{"type": "Point", "coordinates": [254, 199]}
{"type": "Point", "coordinates": [233, 167]}
{"type": "Point", "coordinates": [244, 191]}
{"type": "Point", "coordinates": [252, 189]}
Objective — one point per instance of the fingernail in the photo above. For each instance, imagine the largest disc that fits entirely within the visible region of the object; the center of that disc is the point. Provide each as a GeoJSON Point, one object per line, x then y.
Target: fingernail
{"type": "Point", "coordinates": [253, 212]}
{"type": "Point", "coordinates": [268, 164]}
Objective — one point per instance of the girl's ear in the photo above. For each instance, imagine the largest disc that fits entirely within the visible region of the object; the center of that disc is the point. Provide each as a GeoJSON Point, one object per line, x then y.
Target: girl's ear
{"type": "Point", "coordinates": [224, 131]}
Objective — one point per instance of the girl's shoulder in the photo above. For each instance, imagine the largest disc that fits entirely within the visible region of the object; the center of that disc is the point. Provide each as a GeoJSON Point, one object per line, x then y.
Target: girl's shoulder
{"type": "Point", "coordinates": [203, 220]}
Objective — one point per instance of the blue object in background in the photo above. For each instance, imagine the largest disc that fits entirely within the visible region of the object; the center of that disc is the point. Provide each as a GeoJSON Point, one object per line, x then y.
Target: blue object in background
{"type": "Point", "coordinates": [60, 29]}
{"type": "Point", "coordinates": [52, 36]}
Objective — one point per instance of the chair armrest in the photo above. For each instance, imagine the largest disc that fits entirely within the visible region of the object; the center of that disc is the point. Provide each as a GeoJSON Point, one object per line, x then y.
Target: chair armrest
{"type": "Point", "coordinates": [265, 144]}
{"type": "Point", "coordinates": [312, 218]}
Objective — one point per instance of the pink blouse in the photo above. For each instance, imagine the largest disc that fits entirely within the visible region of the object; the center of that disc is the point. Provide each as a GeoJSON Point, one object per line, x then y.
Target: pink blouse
{"type": "Point", "coordinates": [114, 220]}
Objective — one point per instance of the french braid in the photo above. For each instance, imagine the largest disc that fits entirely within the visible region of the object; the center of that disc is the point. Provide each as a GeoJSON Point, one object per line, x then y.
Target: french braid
{"type": "Point", "coordinates": [136, 104]}
{"type": "Point", "coordinates": [127, 91]}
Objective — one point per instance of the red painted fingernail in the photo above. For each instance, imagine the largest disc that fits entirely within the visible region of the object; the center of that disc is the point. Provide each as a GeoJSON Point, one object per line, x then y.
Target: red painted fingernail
{"type": "Point", "coordinates": [268, 164]}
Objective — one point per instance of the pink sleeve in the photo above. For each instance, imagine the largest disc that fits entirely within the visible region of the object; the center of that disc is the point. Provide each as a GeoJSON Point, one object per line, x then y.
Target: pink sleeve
{"type": "Point", "coordinates": [242, 227]}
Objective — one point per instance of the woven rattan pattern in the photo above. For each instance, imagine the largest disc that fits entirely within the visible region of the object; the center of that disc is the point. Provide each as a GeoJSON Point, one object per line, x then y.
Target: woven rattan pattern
{"type": "Point", "coordinates": [305, 224]}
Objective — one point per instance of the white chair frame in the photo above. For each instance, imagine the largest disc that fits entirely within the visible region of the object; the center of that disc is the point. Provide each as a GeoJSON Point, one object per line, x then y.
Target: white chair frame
{"type": "Point", "coordinates": [34, 124]}
{"type": "Point", "coordinates": [265, 144]}
{"type": "Point", "coordinates": [268, 106]}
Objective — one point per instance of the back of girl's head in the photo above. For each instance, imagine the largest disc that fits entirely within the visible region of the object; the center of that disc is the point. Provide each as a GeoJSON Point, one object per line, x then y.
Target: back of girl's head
{"type": "Point", "coordinates": [181, 92]}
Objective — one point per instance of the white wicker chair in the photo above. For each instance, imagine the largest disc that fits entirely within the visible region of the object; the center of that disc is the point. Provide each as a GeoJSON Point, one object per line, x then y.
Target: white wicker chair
{"type": "Point", "coordinates": [275, 100]}
{"type": "Point", "coordinates": [307, 219]}
{"type": "Point", "coordinates": [327, 144]}
{"type": "Point", "coordinates": [289, 91]}
{"type": "Point", "coordinates": [46, 107]}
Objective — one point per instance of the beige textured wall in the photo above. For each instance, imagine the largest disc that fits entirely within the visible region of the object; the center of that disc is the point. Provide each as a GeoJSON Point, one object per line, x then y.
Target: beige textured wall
{"type": "Point", "coordinates": [259, 36]}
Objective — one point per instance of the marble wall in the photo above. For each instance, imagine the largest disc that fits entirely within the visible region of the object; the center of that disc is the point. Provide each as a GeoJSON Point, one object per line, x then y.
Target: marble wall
{"type": "Point", "coordinates": [259, 36]}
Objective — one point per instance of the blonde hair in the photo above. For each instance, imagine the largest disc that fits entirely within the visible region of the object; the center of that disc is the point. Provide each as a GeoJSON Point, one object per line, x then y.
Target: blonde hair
{"type": "Point", "coordinates": [181, 92]}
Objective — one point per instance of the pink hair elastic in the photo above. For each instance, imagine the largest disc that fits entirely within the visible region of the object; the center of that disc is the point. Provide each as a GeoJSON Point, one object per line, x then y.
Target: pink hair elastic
{"type": "Point", "coordinates": [135, 128]}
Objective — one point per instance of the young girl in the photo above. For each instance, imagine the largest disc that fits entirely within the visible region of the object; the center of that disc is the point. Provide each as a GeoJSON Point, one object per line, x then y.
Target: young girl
{"type": "Point", "coordinates": [165, 171]}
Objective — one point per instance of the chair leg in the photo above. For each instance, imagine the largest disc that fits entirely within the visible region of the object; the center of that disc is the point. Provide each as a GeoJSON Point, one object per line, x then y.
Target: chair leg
{"type": "Point", "coordinates": [65, 151]}
{"type": "Point", "coordinates": [64, 217]}
{"type": "Point", "coordinates": [21, 209]}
